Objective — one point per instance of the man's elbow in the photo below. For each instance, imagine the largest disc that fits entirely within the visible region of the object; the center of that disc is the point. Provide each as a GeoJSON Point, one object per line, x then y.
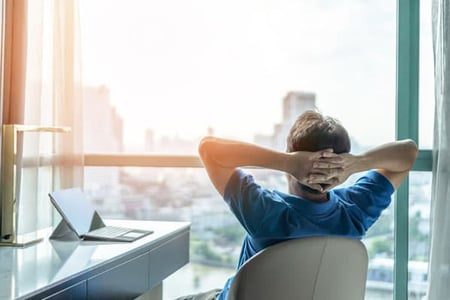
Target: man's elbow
{"type": "Point", "coordinates": [204, 146]}
{"type": "Point", "coordinates": [411, 152]}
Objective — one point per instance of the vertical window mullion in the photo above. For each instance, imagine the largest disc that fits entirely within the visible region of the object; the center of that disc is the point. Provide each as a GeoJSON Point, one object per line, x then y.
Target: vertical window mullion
{"type": "Point", "coordinates": [407, 115]}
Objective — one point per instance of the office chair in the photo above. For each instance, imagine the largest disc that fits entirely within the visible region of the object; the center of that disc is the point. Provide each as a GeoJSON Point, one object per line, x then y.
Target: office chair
{"type": "Point", "coordinates": [312, 268]}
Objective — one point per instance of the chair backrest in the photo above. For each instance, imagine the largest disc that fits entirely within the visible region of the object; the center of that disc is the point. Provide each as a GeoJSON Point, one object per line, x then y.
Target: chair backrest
{"type": "Point", "coordinates": [312, 268]}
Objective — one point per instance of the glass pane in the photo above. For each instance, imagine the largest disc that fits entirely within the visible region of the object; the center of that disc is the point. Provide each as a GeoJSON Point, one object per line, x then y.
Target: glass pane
{"type": "Point", "coordinates": [419, 233]}
{"type": "Point", "coordinates": [379, 242]}
{"type": "Point", "coordinates": [161, 74]}
{"type": "Point", "coordinates": [186, 194]}
{"type": "Point", "coordinates": [174, 194]}
{"type": "Point", "coordinates": [426, 78]}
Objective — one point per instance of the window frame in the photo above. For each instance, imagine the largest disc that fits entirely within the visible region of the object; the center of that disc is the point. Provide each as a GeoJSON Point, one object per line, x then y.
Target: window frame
{"type": "Point", "coordinates": [407, 126]}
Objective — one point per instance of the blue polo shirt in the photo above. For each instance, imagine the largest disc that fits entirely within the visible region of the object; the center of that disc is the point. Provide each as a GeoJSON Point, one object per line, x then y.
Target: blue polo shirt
{"type": "Point", "coordinates": [270, 216]}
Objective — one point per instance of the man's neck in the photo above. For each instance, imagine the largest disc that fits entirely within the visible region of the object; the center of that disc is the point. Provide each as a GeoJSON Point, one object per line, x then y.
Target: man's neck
{"type": "Point", "coordinates": [314, 197]}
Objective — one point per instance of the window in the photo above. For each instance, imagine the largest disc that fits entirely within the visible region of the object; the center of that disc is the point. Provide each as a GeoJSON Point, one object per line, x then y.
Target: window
{"type": "Point", "coordinates": [160, 75]}
{"type": "Point", "coordinates": [178, 70]}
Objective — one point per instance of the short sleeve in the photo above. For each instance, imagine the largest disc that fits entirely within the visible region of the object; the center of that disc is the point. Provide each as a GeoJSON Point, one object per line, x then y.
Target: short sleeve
{"type": "Point", "coordinates": [368, 197]}
{"type": "Point", "coordinates": [254, 206]}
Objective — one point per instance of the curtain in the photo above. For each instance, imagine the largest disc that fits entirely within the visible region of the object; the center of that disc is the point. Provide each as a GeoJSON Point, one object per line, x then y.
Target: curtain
{"type": "Point", "coordinates": [42, 86]}
{"type": "Point", "coordinates": [439, 267]}
{"type": "Point", "coordinates": [14, 61]}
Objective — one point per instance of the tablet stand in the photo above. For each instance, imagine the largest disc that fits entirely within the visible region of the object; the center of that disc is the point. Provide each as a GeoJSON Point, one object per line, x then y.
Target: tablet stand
{"type": "Point", "coordinates": [63, 232]}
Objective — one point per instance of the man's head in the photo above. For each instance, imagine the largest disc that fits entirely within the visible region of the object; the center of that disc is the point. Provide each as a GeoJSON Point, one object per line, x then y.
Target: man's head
{"type": "Point", "coordinates": [314, 132]}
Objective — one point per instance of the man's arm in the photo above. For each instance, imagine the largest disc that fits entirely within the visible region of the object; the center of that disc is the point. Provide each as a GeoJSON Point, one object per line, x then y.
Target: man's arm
{"type": "Point", "coordinates": [221, 157]}
{"type": "Point", "coordinates": [393, 160]}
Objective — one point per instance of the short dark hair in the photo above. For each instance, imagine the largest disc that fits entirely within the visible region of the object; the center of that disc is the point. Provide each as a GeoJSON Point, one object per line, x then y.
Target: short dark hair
{"type": "Point", "coordinates": [314, 132]}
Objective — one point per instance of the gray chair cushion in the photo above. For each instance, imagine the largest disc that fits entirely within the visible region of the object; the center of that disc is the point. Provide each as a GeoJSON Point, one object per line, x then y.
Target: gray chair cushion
{"type": "Point", "coordinates": [319, 268]}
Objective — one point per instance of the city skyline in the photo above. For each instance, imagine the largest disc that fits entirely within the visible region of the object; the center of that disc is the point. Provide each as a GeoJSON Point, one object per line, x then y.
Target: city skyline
{"type": "Point", "coordinates": [181, 71]}
{"type": "Point", "coordinates": [104, 127]}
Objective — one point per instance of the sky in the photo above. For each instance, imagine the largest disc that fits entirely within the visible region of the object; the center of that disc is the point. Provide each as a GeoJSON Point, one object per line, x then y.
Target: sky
{"type": "Point", "coordinates": [179, 66]}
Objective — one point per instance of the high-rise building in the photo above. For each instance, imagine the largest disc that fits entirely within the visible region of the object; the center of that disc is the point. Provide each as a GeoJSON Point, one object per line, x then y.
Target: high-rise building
{"type": "Point", "coordinates": [294, 104]}
{"type": "Point", "coordinates": [102, 133]}
{"type": "Point", "coordinates": [149, 140]}
{"type": "Point", "coordinates": [102, 125]}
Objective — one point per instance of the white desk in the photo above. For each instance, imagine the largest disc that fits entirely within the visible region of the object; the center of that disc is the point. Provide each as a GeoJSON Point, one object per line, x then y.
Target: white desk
{"type": "Point", "coordinates": [95, 270]}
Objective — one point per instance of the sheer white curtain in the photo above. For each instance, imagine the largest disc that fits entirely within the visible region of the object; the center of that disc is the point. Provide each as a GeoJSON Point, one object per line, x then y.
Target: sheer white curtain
{"type": "Point", "coordinates": [439, 269]}
{"type": "Point", "coordinates": [42, 86]}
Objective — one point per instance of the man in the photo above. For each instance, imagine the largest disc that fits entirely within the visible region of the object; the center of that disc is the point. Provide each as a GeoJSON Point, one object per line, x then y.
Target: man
{"type": "Point", "coordinates": [317, 160]}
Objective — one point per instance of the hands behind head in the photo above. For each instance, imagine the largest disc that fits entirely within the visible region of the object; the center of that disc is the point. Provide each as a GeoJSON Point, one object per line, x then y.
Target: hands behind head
{"type": "Point", "coordinates": [322, 168]}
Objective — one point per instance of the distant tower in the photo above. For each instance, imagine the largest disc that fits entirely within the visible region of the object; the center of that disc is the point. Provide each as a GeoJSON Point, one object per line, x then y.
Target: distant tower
{"type": "Point", "coordinates": [294, 104]}
{"type": "Point", "coordinates": [102, 133]}
{"type": "Point", "coordinates": [149, 140]}
{"type": "Point", "coordinates": [102, 125]}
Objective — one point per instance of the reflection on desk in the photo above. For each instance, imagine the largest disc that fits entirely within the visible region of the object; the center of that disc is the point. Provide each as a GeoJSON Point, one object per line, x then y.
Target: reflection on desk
{"type": "Point", "coordinates": [89, 269]}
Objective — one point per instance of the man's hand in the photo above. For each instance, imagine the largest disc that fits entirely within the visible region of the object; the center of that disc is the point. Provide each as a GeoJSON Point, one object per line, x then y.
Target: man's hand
{"type": "Point", "coordinates": [315, 169]}
{"type": "Point", "coordinates": [332, 172]}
